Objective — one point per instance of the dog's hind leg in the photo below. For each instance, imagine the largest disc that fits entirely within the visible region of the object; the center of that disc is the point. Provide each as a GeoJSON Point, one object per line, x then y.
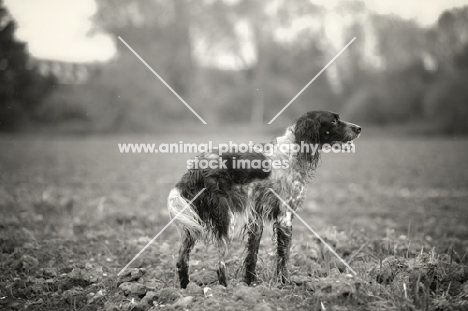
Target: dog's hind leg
{"type": "Point", "coordinates": [223, 251]}
{"type": "Point", "coordinates": [184, 256]}
{"type": "Point", "coordinates": [283, 230]}
{"type": "Point", "coordinates": [254, 232]}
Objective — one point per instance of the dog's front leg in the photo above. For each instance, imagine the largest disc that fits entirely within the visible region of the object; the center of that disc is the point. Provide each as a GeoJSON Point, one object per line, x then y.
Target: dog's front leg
{"type": "Point", "coordinates": [283, 231]}
{"type": "Point", "coordinates": [255, 235]}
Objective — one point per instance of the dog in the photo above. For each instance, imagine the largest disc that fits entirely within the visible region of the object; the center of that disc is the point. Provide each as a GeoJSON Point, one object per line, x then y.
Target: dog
{"type": "Point", "coordinates": [231, 194]}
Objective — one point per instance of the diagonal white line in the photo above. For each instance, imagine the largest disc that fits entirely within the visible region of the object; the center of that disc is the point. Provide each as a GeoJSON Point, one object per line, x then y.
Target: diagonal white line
{"type": "Point", "coordinates": [162, 80]}
{"type": "Point", "coordinates": [159, 233]}
{"type": "Point", "coordinates": [313, 231]}
{"type": "Point", "coordinates": [313, 79]}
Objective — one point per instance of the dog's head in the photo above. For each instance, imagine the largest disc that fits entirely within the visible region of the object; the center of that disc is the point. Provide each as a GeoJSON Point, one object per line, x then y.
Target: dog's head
{"type": "Point", "coordinates": [324, 127]}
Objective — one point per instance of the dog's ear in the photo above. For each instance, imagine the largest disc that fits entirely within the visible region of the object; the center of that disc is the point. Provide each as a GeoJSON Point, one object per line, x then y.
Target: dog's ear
{"type": "Point", "coordinates": [306, 130]}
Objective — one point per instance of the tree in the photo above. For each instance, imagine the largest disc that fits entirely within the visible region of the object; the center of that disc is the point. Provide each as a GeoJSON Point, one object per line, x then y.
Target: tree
{"type": "Point", "coordinates": [159, 32]}
{"type": "Point", "coordinates": [21, 87]}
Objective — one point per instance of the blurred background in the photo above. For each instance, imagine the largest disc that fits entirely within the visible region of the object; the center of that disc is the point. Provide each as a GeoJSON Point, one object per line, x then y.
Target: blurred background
{"type": "Point", "coordinates": [236, 62]}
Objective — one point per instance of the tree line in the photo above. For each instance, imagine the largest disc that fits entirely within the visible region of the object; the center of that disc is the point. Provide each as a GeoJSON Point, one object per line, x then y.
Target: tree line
{"type": "Point", "coordinates": [396, 72]}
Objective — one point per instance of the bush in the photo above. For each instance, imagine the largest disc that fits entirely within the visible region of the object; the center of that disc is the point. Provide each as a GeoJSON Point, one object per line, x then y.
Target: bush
{"type": "Point", "coordinates": [446, 105]}
{"type": "Point", "coordinates": [393, 98]}
{"type": "Point", "coordinates": [90, 107]}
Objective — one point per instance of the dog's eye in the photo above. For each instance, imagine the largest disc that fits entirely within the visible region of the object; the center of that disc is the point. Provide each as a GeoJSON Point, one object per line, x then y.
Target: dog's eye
{"type": "Point", "coordinates": [334, 122]}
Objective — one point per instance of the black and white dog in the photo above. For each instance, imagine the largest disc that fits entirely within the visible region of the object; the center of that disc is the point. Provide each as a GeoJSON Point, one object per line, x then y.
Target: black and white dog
{"type": "Point", "coordinates": [233, 194]}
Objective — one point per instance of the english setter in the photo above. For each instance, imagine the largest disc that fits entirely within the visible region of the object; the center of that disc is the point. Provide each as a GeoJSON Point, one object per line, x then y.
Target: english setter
{"type": "Point", "coordinates": [233, 194]}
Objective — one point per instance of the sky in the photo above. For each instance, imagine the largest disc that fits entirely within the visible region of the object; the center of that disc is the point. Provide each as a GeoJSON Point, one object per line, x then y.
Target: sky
{"type": "Point", "coordinates": [59, 29]}
{"type": "Point", "coordinates": [425, 12]}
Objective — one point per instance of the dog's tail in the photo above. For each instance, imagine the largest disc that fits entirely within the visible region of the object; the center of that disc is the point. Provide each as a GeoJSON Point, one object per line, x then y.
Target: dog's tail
{"type": "Point", "coordinates": [188, 221]}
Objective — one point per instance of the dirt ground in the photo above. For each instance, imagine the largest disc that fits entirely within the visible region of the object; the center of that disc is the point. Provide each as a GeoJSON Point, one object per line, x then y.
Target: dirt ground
{"type": "Point", "coordinates": [74, 212]}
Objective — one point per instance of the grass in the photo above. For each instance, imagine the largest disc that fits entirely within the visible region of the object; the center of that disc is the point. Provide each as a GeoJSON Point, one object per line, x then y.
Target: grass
{"type": "Point", "coordinates": [75, 211]}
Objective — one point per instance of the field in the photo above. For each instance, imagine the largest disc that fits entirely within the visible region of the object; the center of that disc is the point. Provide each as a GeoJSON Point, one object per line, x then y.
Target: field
{"type": "Point", "coordinates": [75, 211]}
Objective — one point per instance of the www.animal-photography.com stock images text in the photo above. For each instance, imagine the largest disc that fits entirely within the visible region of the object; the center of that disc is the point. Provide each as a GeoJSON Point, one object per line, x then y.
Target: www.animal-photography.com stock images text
{"type": "Point", "coordinates": [233, 155]}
